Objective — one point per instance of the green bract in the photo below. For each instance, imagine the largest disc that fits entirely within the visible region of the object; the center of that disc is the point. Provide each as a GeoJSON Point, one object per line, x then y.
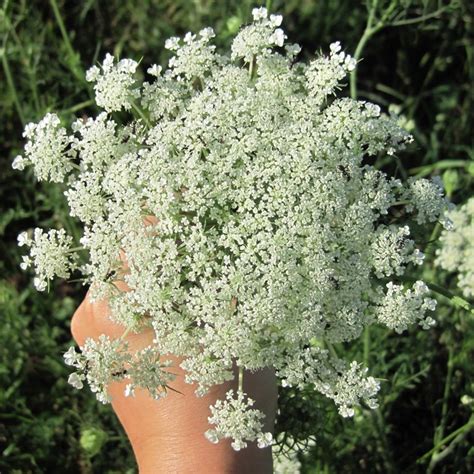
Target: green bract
{"type": "Point", "coordinates": [272, 237]}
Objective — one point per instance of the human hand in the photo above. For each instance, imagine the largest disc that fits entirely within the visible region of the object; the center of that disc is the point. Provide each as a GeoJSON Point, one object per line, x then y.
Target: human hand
{"type": "Point", "coordinates": [167, 435]}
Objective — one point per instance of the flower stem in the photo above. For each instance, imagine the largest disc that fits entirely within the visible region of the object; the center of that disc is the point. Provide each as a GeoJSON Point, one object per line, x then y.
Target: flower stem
{"type": "Point", "coordinates": [10, 81]}
{"type": "Point", "coordinates": [141, 114]}
{"type": "Point", "coordinates": [252, 67]}
{"type": "Point", "coordinates": [80, 106]}
{"type": "Point", "coordinates": [73, 58]}
{"type": "Point", "coordinates": [75, 249]}
{"type": "Point", "coordinates": [125, 333]}
{"type": "Point", "coordinates": [366, 35]}
{"type": "Point", "coordinates": [439, 432]}
{"type": "Point", "coordinates": [366, 345]}
{"type": "Point", "coordinates": [463, 430]}
{"type": "Point", "coordinates": [241, 379]}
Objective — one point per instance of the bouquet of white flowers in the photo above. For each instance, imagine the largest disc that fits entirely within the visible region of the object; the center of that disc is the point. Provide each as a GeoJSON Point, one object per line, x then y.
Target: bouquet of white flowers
{"type": "Point", "coordinates": [232, 195]}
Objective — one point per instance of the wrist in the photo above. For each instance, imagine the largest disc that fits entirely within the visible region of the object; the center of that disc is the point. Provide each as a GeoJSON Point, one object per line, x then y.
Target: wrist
{"type": "Point", "coordinates": [167, 435]}
{"type": "Point", "coordinates": [183, 455]}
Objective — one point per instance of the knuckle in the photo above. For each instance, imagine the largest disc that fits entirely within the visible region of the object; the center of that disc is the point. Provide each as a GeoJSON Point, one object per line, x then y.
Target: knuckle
{"type": "Point", "coordinates": [79, 323]}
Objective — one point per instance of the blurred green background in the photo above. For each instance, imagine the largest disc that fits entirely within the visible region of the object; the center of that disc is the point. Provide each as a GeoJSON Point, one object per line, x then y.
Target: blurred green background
{"type": "Point", "coordinates": [417, 59]}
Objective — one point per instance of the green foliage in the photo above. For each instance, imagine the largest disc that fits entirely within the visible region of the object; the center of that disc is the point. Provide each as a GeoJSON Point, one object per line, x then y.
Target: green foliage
{"type": "Point", "coordinates": [417, 58]}
{"type": "Point", "coordinates": [93, 440]}
{"type": "Point", "coordinates": [43, 421]}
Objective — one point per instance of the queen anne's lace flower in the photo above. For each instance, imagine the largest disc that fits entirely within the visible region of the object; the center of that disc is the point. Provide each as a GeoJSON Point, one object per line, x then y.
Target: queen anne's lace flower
{"type": "Point", "coordinates": [237, 209]}
{"type": "Point", "coordinates": [50, 255]}
{"type": "Point", "coordinates": [325, 73]}
{"type": "Point", "coordinates": [456, 253]}
{"type": "Point", "coordinates": [86, 198]}
{"type": "Point", "coordinates": [113, 88]}
{"type": "Point", "coordinates": [204, 370]}
{"type": "Point", "coordinates": [257, 38]}
{"type": "Point", "coordinates": [100, 362]}
{"type": "Point", "coordinates": [391, 251]}
{"type": "Point", "coordinates": [428, 201]}
{"type": "Point", "coordinates": [194, 57]}
{"type": "Point", "coordinates": [97, 144]}
{"type": "Point", "coordinates": [149, 372]}
{"type": "Point", "coordinates": [235, 418]}
{"type": "Point", "coordinates": [398, 308]}
{"type": "Point", "coordinates": [347, 385]}
{"type": "Point", "coordinates": [103, 360]}
{"type": "Point", "coordinates": [46, 149]}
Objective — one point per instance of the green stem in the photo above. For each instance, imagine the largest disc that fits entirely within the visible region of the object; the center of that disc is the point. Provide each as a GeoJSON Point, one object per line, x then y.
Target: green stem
{"type": "Point", "coordinates": [439, 432]}
{"type": "Point", "coordinates": [141, 114]}
{"type": "Point", "coordinates": [401, 203]}
{"type": "Point", "coordinates": [390, 91]}
{"type": "Point", "coordinates": [433, 237]}
{"type": "Point", "coordinates": [366, 35]}
{"type": "Point", "coordinates": [360, 47]}
{"type": "Point", "coordinates": [11, 85]}
{"type": "Point", "coordinates": [75, 249]}
{"type": "Point", "coordinates": [331, 349]}
{"type": "Point", "coordinates": [425, 170]}
{"type": "Point", "coordinates": [419, 19]}
{"type": "Point", "coordinates": [401, 168]}
{"type": "Point", "coordinates": [29, 70]}
{"type": "Point", "coordinates": [448, 450]}
{"type": "Point", "coordinates": [79, 106]}
{"type": "Point", "coordinates": [366, 345]}
{"type": "Point", "coordinates": [463, 429]}
{"type": "Point", "coordinates": [252, 67]}
{"type": "Point", "coordinates": [241, 379]}
{"type": "Point", "coordinates": [371, 28]}
{"type": "Point", "coordinates": [379, 425]}
{"type": "Point", "coordinates": [7, 71]}
{"type": "Point", "coordinates": [72, 57]}
{"type": "Point", "coordinates": [125, 333]}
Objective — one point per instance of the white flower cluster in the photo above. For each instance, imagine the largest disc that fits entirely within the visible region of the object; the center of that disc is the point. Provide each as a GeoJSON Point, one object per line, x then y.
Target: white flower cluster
{"type": "Point", "coordinates": [346, 384]}
{"type": "Point", "coordinates": [50, 255]}
{"type": "Point", "coordinates": [194, 57]}
{"type": "Point", "coordinates": [391, 251]}
{"type": "Point", "coordinates": [427, 198]}
{"type": "Point", "coordinates": [148, 371]}
{"type": "Point", "coordinates": [398, 308]}
{"type": "Point", "coordinates": [456, 253]}
{"type": "Point", "coordinates": [325, 73]}
{"type": "Point", "coordinates": [237, 207]}
{"type": "Point", "coordinates": [257, 39]}
{"type": "Point", "coordinates": [104, 360]}
{"type": "Point", "coordinates": [46, 149]}
{"type": "Point", "coordinates": [235, 418]}
{"type": "Point", "coordinates": [113, 88]}
{"type": "Point", "coordinates": [99, 362]}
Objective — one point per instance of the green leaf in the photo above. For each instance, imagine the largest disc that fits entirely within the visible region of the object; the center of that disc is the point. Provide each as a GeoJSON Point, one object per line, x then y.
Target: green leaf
{"type": "Point", "coordinates": [450, 181]}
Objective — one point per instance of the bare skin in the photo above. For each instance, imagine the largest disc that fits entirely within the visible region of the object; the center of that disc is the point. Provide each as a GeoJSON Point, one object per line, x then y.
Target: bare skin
{"type": "Point", "coordinates": [167, 436]}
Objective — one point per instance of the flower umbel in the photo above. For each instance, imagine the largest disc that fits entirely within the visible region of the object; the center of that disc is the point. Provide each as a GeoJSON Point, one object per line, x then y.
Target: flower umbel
{"type": "Point", "coordinates": [456, 253]}
{"type": "Point", "coordinates": [235, 418]}
{"type": "Point", "coordinates": [113, 88]}
{"type": "Point", "coordinates": [46, 150]}
{"type": "Point", "coordinates": [236, 205]}
{"type": "Point", "coordinates": [50, 255]}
